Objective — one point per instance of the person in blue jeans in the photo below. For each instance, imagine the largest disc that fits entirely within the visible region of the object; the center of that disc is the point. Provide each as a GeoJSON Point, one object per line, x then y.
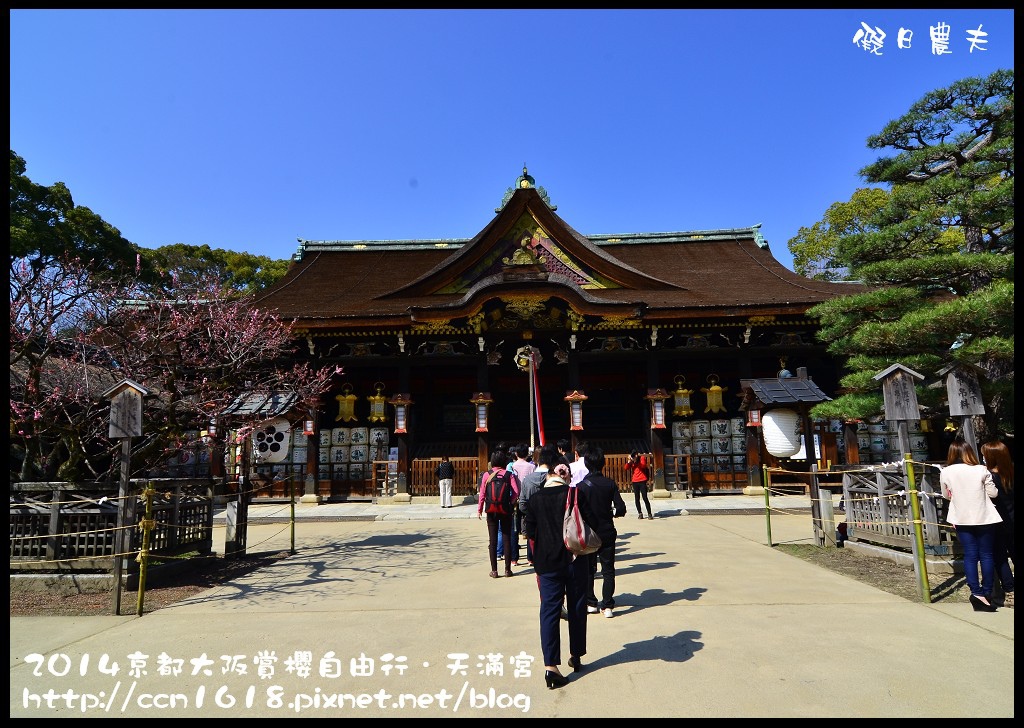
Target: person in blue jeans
{"type": "Point", "coordinates": [560, 575]}
{"type": "Point", "coordinates": [996, 457]}
{"type": "Point", "coordinates": [517, 484]}
{"type": "Point", "coordinates": [969, 488]}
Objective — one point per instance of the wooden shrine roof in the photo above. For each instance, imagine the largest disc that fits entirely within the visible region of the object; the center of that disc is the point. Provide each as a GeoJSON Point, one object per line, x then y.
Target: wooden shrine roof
{"type": "Point", "coordinates": [658, 276]}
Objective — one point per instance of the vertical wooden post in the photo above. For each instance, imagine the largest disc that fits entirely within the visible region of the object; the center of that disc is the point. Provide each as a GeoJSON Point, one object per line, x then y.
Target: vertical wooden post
{"type": "Point", "coordinates": [125, 423]}
{"type": "Point", "coordinates": [120, 534]}
{"type": "Point", "coordinates": [815, 494]}
{"type": "Point", "coordinates": [828, 517]}
{"type": "Point", "coordinates": [53, 542]}
{"type": "Point", "coordinates": [147, 528]}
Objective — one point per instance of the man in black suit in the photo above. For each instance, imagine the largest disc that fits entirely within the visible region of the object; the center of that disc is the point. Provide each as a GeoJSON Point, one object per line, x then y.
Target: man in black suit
{"type": "Point", "coordinates": [605, 503]}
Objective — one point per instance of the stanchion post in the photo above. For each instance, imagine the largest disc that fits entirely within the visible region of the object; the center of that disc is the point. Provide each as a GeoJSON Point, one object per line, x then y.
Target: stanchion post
{"type": "Point", "coordinates": [767, 504]}
{"type": "Point", "coordinates": [147, 527]}
{"type": "Point", "coordinates": [915, 509]}
{"type": "Point", "coordinates": [291, 499]}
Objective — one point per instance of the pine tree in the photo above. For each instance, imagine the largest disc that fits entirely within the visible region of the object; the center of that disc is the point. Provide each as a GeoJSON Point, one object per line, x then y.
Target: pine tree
{"type": "Point", "coordinates": [938, 255]}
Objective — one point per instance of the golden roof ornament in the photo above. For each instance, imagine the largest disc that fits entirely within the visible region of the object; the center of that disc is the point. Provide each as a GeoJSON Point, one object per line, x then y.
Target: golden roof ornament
{"type": "Point", "coordinates": [525, 182]}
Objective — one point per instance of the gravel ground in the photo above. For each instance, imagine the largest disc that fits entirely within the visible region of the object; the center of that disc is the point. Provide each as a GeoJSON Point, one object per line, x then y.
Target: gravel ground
{"type": "Point", "coordinates": [161, 590]}
{"type": "Point", "coordinates": [209, 572]}
{"type": "Point", "coordinates": [881, 573]}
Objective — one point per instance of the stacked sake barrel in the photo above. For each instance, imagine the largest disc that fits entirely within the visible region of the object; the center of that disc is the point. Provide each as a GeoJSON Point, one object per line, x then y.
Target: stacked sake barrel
{"type": "Point", "coordinates": [346, 452]}
{"type": "Point", "coordinates": [881, 439]}
{"type": "Point", "coordinates": [718, 445]}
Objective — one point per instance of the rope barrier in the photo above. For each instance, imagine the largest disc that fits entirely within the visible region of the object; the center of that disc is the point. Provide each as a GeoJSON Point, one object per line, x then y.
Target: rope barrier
{"type": "Point", "coordinates": [70, 535]}
{"type": "Point", "coordinates": [854, 500]}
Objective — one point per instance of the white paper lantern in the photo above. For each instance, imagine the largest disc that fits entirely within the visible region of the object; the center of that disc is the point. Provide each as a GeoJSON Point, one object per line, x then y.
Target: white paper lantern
{"type": "Point", "coordinates": [271, 441]}
{"type": "Point", "coordinates": [781, 432]}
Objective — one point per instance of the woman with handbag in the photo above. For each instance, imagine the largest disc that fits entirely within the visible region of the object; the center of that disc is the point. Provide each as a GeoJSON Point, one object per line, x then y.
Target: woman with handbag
{"type": "Point", "coordinates": [560, 575]}
{"type": "Point", "coordinates": [969, 488]}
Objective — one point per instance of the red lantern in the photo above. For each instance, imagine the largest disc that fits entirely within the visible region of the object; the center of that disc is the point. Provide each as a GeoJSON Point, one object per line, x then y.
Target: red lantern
{"type": "Point", "coordinates": [575, 399]}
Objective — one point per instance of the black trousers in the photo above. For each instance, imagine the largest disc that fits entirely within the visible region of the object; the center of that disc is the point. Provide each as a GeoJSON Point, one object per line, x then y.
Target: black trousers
{"type": "Point", "coordinates": [568, 585]}
{"type": "Point", "coordinates": [606, 556]}
{"type": "Point", "coordinates": [497, 523]}
{"type": "Point", "coordinates": [640, 491]}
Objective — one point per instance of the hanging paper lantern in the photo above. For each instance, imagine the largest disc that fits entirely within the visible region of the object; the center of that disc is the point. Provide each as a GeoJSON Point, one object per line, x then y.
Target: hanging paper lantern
{"type": "Point", "coordinates": [714, 393]}
{"type": "Point", "coordinates": [682, 398]}
{"type": "Point", "coordinates": [271, 440]}
{"type": "Point", "coordinates": [781, 428]}
{"type": "Point", "coordinates": [377, 404]}
{"type": "Point", "coordinates": [346, 404]}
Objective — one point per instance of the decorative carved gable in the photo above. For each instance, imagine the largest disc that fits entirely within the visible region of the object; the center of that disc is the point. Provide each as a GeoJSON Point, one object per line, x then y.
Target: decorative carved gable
{"type": "Point", "coordinates": [526, 241]}
{"type": "Point", "coordinates": [527, 245]}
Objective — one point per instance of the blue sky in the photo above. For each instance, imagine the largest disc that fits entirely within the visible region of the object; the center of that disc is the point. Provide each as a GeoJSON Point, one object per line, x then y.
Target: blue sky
{"type": "Point", "coordinates": [248, 129]}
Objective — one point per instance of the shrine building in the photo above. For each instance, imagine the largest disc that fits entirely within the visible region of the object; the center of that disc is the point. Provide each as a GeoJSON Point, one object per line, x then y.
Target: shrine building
{"type": "Point", "coordinates": [531, 332]}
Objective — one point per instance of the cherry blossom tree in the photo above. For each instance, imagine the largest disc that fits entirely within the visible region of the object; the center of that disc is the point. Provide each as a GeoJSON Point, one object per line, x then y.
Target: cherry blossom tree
{"type": "Point", "coordinates": [74, 334]}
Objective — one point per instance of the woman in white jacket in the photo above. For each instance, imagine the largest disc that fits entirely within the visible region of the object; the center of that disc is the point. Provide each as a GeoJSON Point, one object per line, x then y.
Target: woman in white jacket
{"type": "Point", "coordinates": [969, 488]}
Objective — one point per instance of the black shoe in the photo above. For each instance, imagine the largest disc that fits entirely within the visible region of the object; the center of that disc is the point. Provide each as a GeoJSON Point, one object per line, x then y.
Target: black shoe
{"type": "Point", "coordinates": [575, 664]}
{"type": "Point", "coordinates": [554, 680]}
{"type": "Point", "coordinates": [980, 606]}
{"type": "Point", "coordinates": [640, 516]}
{"type": "Point", "coordinates": [650, 517]}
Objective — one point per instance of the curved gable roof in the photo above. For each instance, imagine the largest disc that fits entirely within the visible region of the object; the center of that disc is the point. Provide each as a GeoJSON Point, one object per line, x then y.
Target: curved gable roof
{"type": "Point", "coordinates": [527, 250]}
{"type": "Point", "coordinates": [562, 250]}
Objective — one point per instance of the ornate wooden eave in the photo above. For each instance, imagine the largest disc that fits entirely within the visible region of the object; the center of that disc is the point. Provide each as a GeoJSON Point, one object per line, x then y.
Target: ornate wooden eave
{"type": "Point", "coordinates": [552, 286]}
{"type": "Point", "coordinates": [527, 255]}
{"type": "Point", "coordinates": [500, 240]}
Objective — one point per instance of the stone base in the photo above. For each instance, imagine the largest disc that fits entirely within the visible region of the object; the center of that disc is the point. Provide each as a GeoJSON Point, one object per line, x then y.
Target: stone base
{"type": "Point", "coordinates": [402, 498]}
{"type": "Point", "coordinates": [753, 490]}
{"type": "Point", "coordinates": [659, 493]}
{"type": "Point", "coordinates": [311, 499]}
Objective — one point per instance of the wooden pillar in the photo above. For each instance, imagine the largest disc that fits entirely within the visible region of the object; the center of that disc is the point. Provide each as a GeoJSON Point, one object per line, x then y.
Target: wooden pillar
{"type": "Point", "coordinates": [850, 443]}
{"type": "Point", "coordinates": [658, 489]}
{"type": "Point", "coordinates": [312, 470]}
{"type": "Point", "coordinates": [483, 455]}
{"type": "Point", "coordinates": [755, 473]}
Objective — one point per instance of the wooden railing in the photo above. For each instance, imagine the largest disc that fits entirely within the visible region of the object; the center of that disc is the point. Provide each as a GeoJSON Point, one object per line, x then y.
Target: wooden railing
{"type": "Point", "coordinates": [382, 482]}
{"type": "Point", "coordinates": [73, 527]}
{"type": "Point", "coordinates": [878, 509]}
{"type": "Point", "coordinates": [424, 477]}
{"type": "Point", "coordinates": [423, 481]}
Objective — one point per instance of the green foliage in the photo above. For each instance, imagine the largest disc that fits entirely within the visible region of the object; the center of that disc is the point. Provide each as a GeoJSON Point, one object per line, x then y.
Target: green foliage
{"type": "Point", "coordinates": [186, 266]}
{"type": "Point", "coordinates": [46, 225]}
{"type": "Point", "coordinates": [816, 250]}
{"type": "Point", "coordinates": [937, 253]}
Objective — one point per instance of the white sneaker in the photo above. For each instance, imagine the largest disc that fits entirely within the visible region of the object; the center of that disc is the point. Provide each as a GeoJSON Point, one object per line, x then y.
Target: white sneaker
{"type": "Point", "coordinates": [592, 610]}
{"type": "Point", "coordinates": [608, 612]}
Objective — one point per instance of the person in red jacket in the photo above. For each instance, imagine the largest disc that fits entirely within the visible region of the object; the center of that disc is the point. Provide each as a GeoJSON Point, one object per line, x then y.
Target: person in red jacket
{"type": "Point", "coordinates": [637, 467]}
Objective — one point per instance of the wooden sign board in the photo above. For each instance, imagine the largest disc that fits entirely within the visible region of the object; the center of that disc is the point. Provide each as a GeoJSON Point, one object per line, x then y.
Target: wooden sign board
{"type": "Point", "coordinates": [126, 414]}
{"type": "Point", "coordinates": [899, 394]}
{"type": "Point", "coordinates": [964, 393]}
{"type": "Point", "coordinates": [125, 409]}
